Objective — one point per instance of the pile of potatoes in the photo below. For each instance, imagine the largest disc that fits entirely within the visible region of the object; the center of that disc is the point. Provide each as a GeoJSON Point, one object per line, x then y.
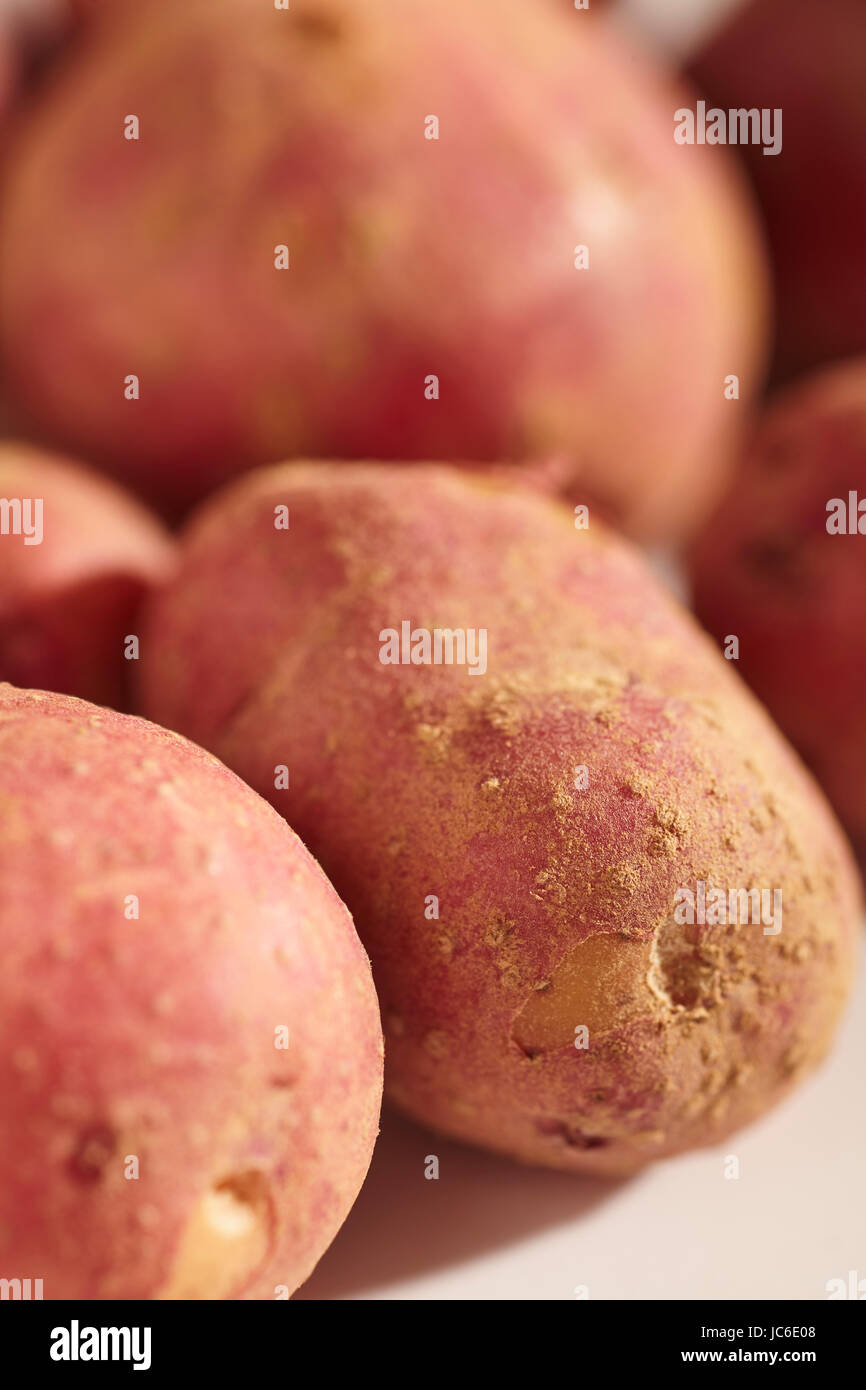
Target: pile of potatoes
{"type": "Point", "coordinates": [349, 354]}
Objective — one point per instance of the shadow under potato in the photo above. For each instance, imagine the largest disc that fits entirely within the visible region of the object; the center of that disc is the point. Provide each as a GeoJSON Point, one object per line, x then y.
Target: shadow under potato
{"type": "Point", "coordinates": [404, 1224]}
{"type": "Point", "coordinates": [71, 637]}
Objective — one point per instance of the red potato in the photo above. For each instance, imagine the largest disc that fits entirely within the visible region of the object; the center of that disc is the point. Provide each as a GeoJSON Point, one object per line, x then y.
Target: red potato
{"type": "Point", "coordinates": [768, 571]}
{"type": "Point", "coordinates": [409, 258]}
{"type": "Point", "coordinates": [70, 592]}
{"type": "Point", "coordinates": [512, 842]}
{"type": "Point", "coordinates": [155, 1142]}
{"type": "Point", "coordinates": [809, 60]}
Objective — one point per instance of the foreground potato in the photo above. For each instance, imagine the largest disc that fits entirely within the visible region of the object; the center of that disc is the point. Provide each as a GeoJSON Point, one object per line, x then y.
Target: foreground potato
{"type": "Point", "coordinates": [431, 306]}
{"type": "Point", "coordinates": [809, 61]}
{"type": "Point", "coordinates": [512, 842]}
{"type": "Point", "coordinates": [154, 1140]}
{"type": "Point", "coordinates": [76, 557]}
{"type": "Point", "coordinates": [782, 566]}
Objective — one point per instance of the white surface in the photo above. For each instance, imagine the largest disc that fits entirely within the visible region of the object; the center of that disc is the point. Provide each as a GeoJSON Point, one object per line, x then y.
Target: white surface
{"type": "Point", "coordinates": [490, 1229]}
{"type": "Point", "coordinates": [675, 26]}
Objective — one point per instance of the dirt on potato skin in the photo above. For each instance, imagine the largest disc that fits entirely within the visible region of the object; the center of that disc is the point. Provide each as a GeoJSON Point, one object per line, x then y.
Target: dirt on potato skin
{"type": "Point", "coordinates": [554, 900]}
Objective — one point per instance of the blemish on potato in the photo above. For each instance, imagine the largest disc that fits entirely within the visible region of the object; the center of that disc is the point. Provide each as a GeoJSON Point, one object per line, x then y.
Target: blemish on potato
{"type": "Point", "coordinates": [601, 984]}
{"type": "Point", "coordinates": [319, 27]}
{"type": "Point", "coordinates": [94, 1150]}
{"type": "Point", "coordinates": [575, 1138]}
{"type": "Point", "coordinates": [435, 1042]}
{"type": "Point", "coordinates": [225, 1241]}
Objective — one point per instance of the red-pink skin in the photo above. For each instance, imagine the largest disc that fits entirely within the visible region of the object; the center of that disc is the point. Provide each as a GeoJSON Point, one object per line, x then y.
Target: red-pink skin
{"type": "Point", "coordinates": [156, 1037]}
{"type": "Point", "coordinates": [809, 60]}
{"type": "Point", "coordinates": [408, 781]}
{"type": "Point", "coordinates": [68, 604]}
{"type": "Point", "coordinates": [767, 570]}
{"type": "Point", "coordinates": [409, 257]}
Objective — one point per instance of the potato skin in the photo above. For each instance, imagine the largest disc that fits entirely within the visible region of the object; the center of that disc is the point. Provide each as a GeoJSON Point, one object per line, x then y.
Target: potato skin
{"type": "Point", "coordinates": [409, 257]}
{"type": "Point", "coordinates": [155, 1037]}
{"type": "Point", "coordinates": [767, 570]}
{"type": "Point", "coordinates": [555, 904]}
{"type": "Point", "coordinates": [810, 61]}
{"type": "Point", "coordinates": [68, 603]}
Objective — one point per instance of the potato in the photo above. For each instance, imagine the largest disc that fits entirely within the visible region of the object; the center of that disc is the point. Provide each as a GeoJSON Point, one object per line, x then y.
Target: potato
{"type": "Point", "coordinates": [430, 306]}
{"type": "Point", "coordinates": [809, 61]}
{"type": "Point", "coordinates": [162, 933]}
{"type": "Point", "coordinates": [517, 835]}
{"type": "Point", "coordinates": [769, 572]}
{"type": "Point", "coordinates": [76, 557]}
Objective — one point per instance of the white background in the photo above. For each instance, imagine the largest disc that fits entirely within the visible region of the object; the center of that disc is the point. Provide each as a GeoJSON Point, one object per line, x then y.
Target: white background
{"type": "Point", "coordinates": [488, 1228]}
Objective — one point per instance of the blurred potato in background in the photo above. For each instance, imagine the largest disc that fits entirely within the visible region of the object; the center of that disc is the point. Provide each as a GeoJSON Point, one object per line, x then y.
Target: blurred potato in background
{"type": "Point", "coordinates": [809, 60]}
{"type": "Point", "coordinates": [396, 231]}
